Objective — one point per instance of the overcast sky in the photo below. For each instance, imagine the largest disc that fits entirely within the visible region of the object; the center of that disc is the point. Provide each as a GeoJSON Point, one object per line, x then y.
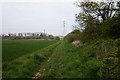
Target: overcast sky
{"type": "Point", "coordinates": [35, 16]}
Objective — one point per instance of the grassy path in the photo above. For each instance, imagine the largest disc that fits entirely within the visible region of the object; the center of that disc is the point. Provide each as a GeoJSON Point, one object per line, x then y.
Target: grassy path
{"type": "Point", "coordinates": [43, 68]}
{"type": "Point", "coordinates": [51, 65]}
{"type": "Point", "coordinates": [68, 62]}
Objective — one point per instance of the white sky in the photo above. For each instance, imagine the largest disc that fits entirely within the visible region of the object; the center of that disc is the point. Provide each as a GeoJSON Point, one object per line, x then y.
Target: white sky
{"type": "Point", "coordinates": [35, 16]}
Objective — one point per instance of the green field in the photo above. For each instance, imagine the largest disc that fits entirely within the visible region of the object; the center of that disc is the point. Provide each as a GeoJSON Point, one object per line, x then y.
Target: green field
{"type": "Point", "coordinates": [22, 58]}
{"type": "Point", "coordinates": [12, 49]}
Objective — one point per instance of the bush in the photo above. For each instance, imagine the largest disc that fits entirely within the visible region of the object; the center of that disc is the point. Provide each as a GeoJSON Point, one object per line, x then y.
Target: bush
{"type": "Point", "coordinates": [110, 28]}
{"type": "Point", "coordinates": [50, 37]}
{"type": "Point", "coordinates": [71, 38]}
{"type": "Point", "coordinates": [74, 35]}
{"type": "Point", "coordinates": [109, 68]}
{"type": "Point", "coordinates": [108, 59]}
{"type": "Point", "coordinates": [107, 56]}
{"type": "Point", "coordinates": [57, 38]}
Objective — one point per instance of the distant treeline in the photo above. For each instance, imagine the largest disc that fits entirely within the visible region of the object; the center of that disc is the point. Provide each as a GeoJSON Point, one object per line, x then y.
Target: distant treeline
{"type": "Point", "coordinates": [16, 36]}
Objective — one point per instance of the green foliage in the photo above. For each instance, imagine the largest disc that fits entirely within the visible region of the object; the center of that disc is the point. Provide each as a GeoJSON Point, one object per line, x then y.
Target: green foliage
{"type": "Point", "coordinates": [109, 68]}
{"type": "Point", "coordinates": [99, 59]}
{"type": "Point", "coordinates": [90, 34]}
{"type": "Point", "coordinates": [57, 38]}
{"type": "Point", "coordinates": [50, 37]}
{"type": "Point", "coordinates": [74, 35]}
{"type": "Point", "coordinates": [110, 28]}
{"type": "Point", "coordinates": [108, 59]}
{"type": "Point", "coordinates": [106, 49]}
{"type": "Point", "coordinates": [98, 20]}
{"type": "Point", "coordinates": [95, 10]}
{"type": "Point", "coordinates": [106, 53]}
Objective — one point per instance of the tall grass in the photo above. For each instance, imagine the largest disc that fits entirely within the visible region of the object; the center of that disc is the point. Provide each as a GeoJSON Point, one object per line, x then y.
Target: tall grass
{"type": "Point", "coordinates": [70, 62]}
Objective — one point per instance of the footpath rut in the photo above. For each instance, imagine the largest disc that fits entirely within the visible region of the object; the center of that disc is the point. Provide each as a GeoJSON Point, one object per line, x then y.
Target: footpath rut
{"type": "Point", "coordinates": [43, 68]}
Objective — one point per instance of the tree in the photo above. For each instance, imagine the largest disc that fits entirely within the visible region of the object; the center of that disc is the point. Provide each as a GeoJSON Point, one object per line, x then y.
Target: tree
{"type": "Point", "coordinates": [98, 11]}
{"type": "Point", "coordinates": [111, 28]}
{"type": "Point", "coordinates": [57, 38]}
{"type": "Point", "coordinates": [41, 35]}
{"type": "Point", "coordinates": [94, 16]}
{"type": "Point", "coordinates": [74, 35]}
{"type": "Point", "coordinates": [50, 37]}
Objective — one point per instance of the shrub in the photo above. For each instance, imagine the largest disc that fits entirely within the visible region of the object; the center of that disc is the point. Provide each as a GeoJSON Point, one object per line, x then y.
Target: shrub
{"type": "Point", "coordinates": [74, 35]}
{"type": "Point", "coordinates": [57, 38]}
{"type": "Point", "coordinates": [108, 59]}
{"type": "Point", "coordinates": [110, 28]}
{"type": "Point", "coordinates": [109, 68]}
{"type": "Point", "coordinates": [50, 37]}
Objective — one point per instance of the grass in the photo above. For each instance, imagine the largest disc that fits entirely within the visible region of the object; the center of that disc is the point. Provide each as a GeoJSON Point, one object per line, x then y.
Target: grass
{"type": "Point", "coordinates": [89, 61]}
{"type": "Point", "coordinates": [26, 66]}
{"type": "Point", "coordinates": [53, 69]}
{"type": "Point", "coordinates": [12, 49]}
{"type": "Point", "coordinates": [67, 62]}
{"type": "Point", "coordinates": [70, 62]}
{"type": "Point", "coordinates": [76, 64]}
